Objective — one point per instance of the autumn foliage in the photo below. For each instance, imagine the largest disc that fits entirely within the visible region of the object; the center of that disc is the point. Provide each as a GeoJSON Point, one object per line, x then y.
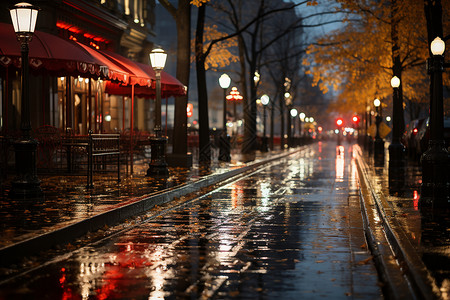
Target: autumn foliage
{"type": "Point", "coordinates": [356, 59]}
{"type": "Point", "coordinates": [221, 54]}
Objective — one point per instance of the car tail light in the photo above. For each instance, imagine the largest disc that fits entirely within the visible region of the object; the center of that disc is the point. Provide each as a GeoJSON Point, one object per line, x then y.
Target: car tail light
{"type": "Point", "coordinates": [415, 131]}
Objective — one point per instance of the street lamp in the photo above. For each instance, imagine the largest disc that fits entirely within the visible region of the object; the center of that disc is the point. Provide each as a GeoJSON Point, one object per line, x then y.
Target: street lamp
{"type": "Point", "coordinates": [435, 161]}
{"type": "Point", "coordinates": [158, 165]}
{"type": "Point", "coordinates": [224, 153]}
{"type": "Point", "coordinates": [379, 143]}
{"type": "Point", "coordinates": [368, 123]}
{"type": "Point", "coordinates": [396, 148]}
{"type": "Point", "coordinates": [264, 101]}
{"type": "Point", "coordinates": [301, 119]}
{"type": "Point", "coordinates": [235, 96]}
{"type": "Point", "coordinates": [294, 114]}
{"type": "Point", "coordinates": [256, 77]}
{"type": "Point", "coordinates": [26, 185]}
{"type": "Point", "coordinates": [288, 102]}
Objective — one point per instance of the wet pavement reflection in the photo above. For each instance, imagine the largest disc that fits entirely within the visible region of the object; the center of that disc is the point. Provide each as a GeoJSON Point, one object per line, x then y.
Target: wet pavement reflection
{"type": "Point", "coordinates": [67, 200]}
{"type": "Point", "coordinates": [292, 230]}
{"type": "Point", "coordinates": [427, 230]}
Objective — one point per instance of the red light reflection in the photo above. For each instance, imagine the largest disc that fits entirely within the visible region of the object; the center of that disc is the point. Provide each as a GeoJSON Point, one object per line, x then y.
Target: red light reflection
{"type": "Point", "coordinates": [416, 198]}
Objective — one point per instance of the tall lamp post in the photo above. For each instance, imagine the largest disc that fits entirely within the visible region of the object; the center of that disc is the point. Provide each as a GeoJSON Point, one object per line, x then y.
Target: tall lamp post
{"type": "Point", "coordinates": [396, 148]}
{"type": "Point", "coordinates": [379, 143]}
{"type": "Point", "coordinates": [366, 127]}
{"type": "Point", "coordinates": [264, 101]}
{"type": "Point", "coordinates": [234, 96]}
{"type": "Point", "coordinates": [158, 164]}
{"type": "Point", "coordinates": [301, 117]}
{"type": "Point", "coordinates": [224, 152]}
{"type": "Point", "coordinates": [435, 161]}
{"type": "Point", "coordinates": [288, 102]}
{"type": "Point", "coordinates": [293, 113]}
{"type": "Point", "coordinates": [26, 185]}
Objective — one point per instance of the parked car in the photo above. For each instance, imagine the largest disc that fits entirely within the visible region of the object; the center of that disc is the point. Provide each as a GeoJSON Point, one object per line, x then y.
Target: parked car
{"type": "Point", "coordinates": [423, 136]}
{"type": "Point", "coordinates": [409, 136]}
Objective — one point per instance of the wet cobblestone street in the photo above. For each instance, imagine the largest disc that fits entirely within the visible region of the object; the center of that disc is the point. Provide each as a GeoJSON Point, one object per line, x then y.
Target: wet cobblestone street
{"type": "Point", "coordinates": [290, 230]}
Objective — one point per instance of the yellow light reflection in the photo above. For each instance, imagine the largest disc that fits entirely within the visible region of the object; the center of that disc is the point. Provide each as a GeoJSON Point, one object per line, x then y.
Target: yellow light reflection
{"type": "Point", "coordinates": [237, 193]}
{"type": "Point", "coordinates": [264, 190]}
{"type": "Point", "coordinates": [353, 180]}
{"type": "Point", "coordinates": [340, 163]}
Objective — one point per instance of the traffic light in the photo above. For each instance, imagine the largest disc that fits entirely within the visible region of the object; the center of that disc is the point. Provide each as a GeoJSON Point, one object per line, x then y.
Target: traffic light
{"type": "Point", "coordinates": [339, 121]}
{"type": "Point", "coordinates": [355, 120]}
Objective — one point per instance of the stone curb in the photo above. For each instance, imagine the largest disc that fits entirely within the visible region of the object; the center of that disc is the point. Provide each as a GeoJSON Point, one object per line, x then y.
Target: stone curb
{"type": "Point", "coordinates": [34, 245]}
{"type": "Point", "coordinates": [418, 279]}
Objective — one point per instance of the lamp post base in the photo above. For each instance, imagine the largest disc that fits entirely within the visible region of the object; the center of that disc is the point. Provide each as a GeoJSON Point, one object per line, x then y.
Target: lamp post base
{"type": "Point", "coordinates": [397, 164]}
{"type": "Point", "coordinates": [264, 146]}
{"type": "Point", "coordinates": [179, 160]}
{"type": "Point", "coordinates": [158, 165]}
{"type": "Point", "coordinates": [224, 151]}
{"type": "Point", "coordinates": [435, 190]}
{"type": "Point", "coordinates": [26, 185]}
{"type": "Point", "coordinates": [378, 153]}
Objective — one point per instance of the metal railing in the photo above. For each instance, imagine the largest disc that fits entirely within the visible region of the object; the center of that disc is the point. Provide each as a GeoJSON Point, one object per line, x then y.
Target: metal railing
{"type": "Point", "coordinates": [100, 146]}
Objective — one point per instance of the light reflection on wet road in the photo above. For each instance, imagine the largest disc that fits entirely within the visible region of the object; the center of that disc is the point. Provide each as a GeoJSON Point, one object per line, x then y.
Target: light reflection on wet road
{"type": "Point", "coordinates": [291, 230]}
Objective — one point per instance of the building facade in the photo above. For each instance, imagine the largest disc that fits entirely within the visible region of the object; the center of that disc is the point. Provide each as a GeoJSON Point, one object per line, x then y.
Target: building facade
{"type": "Point", "coordinates": [125, 27]}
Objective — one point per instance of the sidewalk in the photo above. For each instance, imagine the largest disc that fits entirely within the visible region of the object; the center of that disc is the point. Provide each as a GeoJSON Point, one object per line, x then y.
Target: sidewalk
{"type": "Point", "coordinates": [420, 239]}
{"type": "Point", "coordinates": [70, 210]}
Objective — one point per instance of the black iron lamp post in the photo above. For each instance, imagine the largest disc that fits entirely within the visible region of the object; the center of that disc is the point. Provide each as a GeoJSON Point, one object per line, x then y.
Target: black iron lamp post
{"type": "Point", "coordinates": [234, 96]}
{"type": "Point", "coordinates": [366, 127]}
{"type": "Point", "coordinates": [224, 152]}
{"type": "Point", "coordinates": [396, 148]}
{"type": "Point", "coordinates": [378, 153]}
{"type": "Point", "coordinates": [301, 119]}
{"type": "Point", "coordinates": [264, 101]}
{"type": "Point", "coordinates": [288, 102]}
{"type": "Point", "coordinates": [26, 185]}
{"type": "Point", "coordinates": [293, 113]}
{"type": "Point", "coordinates": [158, 164]}
{"type": "Point", "coordinates": [435, 161]}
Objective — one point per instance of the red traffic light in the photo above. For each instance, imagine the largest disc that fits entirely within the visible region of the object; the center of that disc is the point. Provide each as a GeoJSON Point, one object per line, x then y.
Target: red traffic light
{"type": "Point", "coordinates": [339, 121]}
{"type": "Point", "coordinates": [355, 119]}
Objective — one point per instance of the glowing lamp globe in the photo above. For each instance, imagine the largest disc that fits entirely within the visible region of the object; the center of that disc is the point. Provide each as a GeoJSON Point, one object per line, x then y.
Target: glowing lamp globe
{"type": "Point", "coordinates": [158, 59]}
{"type": "Point", "coordinates": [437, 46]}
{"type": "Point", "coordinates": [395, 82]}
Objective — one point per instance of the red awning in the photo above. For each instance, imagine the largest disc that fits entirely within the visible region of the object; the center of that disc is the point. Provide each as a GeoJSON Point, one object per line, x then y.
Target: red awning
{"type": "Point", "coordinates": [49, 53]}
{"type": "Point", "coordinates": [170, 86]}
{"type": "Point", "coordinates": [115, 72]}
{"type": "Point", "coordinates": [137, 75]}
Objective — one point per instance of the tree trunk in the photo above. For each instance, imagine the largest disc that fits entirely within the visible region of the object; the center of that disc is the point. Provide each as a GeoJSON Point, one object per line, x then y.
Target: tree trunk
{"type": "Point", "coordinates": [399, 124]}
{"type": "Point", "coordinates": [250, 142]}
{"type": "Point", "coordinates": [433, 14]}
{"type": "Point", "coordinates": [204, 141]}
{"type": "Point", "coordinates": [183, 22]}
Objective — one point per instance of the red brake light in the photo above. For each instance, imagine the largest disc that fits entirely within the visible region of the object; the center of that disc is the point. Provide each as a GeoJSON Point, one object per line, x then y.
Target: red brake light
{"type": "Point", "coordinates": [415, 131]}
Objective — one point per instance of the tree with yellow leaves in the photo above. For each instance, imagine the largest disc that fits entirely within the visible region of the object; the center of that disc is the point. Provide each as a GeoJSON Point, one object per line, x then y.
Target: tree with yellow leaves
{"type": "Point", "coordinates": [221, 54]}
{"type": "Point", "coordinates": [378, 39]}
